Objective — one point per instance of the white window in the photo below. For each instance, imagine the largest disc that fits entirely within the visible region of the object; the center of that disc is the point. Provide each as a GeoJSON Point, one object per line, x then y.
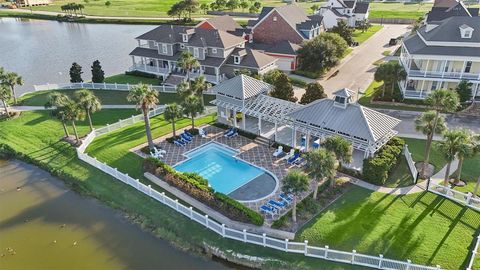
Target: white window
{"type": "Point", "coordinates": [184, 37]}
{"type": "Point", "coordinates": [274, 18]}
{"type": "Point", "coordinates": [195, 52]}
{"type": "Point", "coordinates": [182, 46]}
{"type": "Point", "coordinates": [236, 59]}
{"type": "Point", "coordinates": [164, 48]}
{"type": "Point", "coordinates": [468, 34]}
{"type": "Point", "coordinates": [214, 50]}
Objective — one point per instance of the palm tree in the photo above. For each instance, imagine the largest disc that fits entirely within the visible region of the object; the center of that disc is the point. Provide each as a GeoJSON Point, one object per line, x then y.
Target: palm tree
{"type": "Point", "coordinates": [12, 79]}
{"type": "Point", "coordinates": [450, 146]}
{"type": "Point", "coordinates": [73, 112]}
{"type": "Point", "coordinates": [477, 186]}
{"type": "Point", "coordinates": [469, 148]}
{"type": "Point", "coordinates": [184, 90]}
{"type": "Point", "coordinates": [5, 96]}
{"type": "Point", "coordinates": [58, 100]}
{"type": "Point", "coordinates": [200, 85]}
{"type": "Point", "coordinates": [295, 182]}
{"type": "Point", "coordinates": [145, 98]}
{"type": "Point", "coordinates": [192, 107]}
{"type": "Point", "coordinates": [342, 148]}
{"type": "Point", "coordinates": [187, 62]}
{"type": "Point", "coordinates": [321, 164]}
{"type": "Point", "coordinates": [171, 114]}
{"type": "Point", "coordinates": [425, 123]}
{"type": "Point", "coordinates": [439, 100]}
{"type": "Point", "coordinates": [89, 102]}
{"type": "Point", "coordinates": [398, 74]}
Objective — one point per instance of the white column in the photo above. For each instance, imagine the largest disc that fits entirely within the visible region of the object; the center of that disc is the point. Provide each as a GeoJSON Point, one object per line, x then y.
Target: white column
{"type": "Point", "coordinates": [244, 116]}
{"type": "Point", "coordinates": [133, 60]}
{"type": "Point", "coordinates": [216, 75]}
{"type": "Point", "coordinates": [426, 68]}
{"type": "Point", "coordinates": [307, 141]}
{"type": "Point", "coordinates": [234, 118]}
{"type": "Point", "coordinates": [259, 125]}
{"type": "Point", "coordinates": [294, 144]}
{"type": "Point", "coordinates": [145, 63]}
{"type": "Point", "coordinates": [421, 88]}
{"type": "Point", "coordinates": [158, 66]}
{"type": "Point", "coordinates": [463, 68]}
{"type": "Point", "coordinates": [443, 67]}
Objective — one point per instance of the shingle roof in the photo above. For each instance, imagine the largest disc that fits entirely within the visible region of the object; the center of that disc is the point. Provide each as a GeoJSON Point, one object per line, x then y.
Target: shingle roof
{"type": "Point", "coordinates": [448, 30]}
{"type": "Point", "coordinates": [224, 23]}
{"type": "Point", "coordinates": [354, 120]}
{"type": "Point", "coordinates": [314, 21]}
{"type": "Point", "coordinates": [152, 53]}
{"type": "Point", "coordinates": [349, 3]}
{"type": "Point", "coordinates": [444, 3]}
{"type": "Point", "coordinates": [440, 13]}
{"type": "Point", "coordinates": [415, 45]}
{"type": "Point", "coordinates": [252, 58]}
{"type": "Point", "coordinates": [165, 33]}
{"type": "Point", "coordinates": [361, 8]}
{"type": "Point", "coordinates": [295, 16]}
{"type": "Point", "coordinates": [282, 47]}
{"type": "Point", "coordinates": [241, 87]}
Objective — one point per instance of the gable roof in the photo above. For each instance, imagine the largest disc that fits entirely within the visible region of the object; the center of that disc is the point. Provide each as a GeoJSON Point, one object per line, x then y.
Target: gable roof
{"type": "Point", "coordinates": [361, 7]}
{"type": "Point", "coordinates": [415, 45]}
{"type": "Point", "coordinates": [241, 87]}
{"type": "Point", "coordinates": [445, 3]}
{"type": "Point", "coordinates": [459, 9]}
{"type": "Point", "coordinates": [251, 58]}
{"type": "Point", "coordinates": [294, 15]}
{"type": "Point", "coordinates": [224, 23]}
{"type": "Point", "coordinates": [282, 47]}
{"type": "Point", "coordinates": [354, 120]}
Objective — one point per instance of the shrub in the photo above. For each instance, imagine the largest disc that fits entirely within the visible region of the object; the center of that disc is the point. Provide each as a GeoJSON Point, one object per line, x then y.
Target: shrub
{"type": "Point", "coordinates": [286, 148]}
{"type": "Point", "coordinates": [246, 134]}
{"type": "Point", "coordinates": [377, 169]}
{"type": "Point", "coordinates": [197, 187]}
{"type": "Point", "coordinates": [308, 74]}
{"type": "Point", "coordinates": [140, 74]}
{"type": "Point", "coordinates": [298, 82]}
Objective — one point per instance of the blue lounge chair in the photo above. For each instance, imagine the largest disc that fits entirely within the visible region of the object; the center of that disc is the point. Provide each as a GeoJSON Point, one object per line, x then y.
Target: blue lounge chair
{"type": "Point", "coordinates": [228, 131]}
{"type": "Point", "coordinates": [235, 133]}
{"type": "Point", "coordinates": [179, 143]}
{"type": "Point", "coordinates": [268, 209]}
{"type": "Point", "coordinates": [188, 133]}
{"type": "Point", "coordinates": [231, 132]}
{"type": "Point", "coordinates": [185, 137]}
{"type": "Point", "coordinates": [286, 198]}
{"type": "Point", "coordinates": [277, 204]}
{"type": "Point", "coordinates": [293, 159]}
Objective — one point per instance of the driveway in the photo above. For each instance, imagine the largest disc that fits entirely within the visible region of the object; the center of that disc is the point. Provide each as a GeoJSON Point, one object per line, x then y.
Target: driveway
{"type": "Point", "coordinates": [357, 69]}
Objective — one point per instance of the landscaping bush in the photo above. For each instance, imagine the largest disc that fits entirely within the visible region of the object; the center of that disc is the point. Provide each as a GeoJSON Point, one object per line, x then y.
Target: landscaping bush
{"type": "Point", "coordinates": [140, 74]}
{"type": "Point", "coordinates": [173, 138]}
{"type": "Point", "coordinates": [286, 148]}
{"type": "Point", "coordinates": [246, 134]}
{"type": "Point", "coordinates": [298, 82]}
{"type": "Point", "coordinates": [197, 187]}
{"type": "Point", "coordinates": [308, 74]}
{"type": "Point", "coordinates": [377, 168]}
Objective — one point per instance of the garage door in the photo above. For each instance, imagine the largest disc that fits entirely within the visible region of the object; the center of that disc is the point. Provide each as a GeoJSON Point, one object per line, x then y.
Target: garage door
{"type": "Point", "coordinates": [284, 64]}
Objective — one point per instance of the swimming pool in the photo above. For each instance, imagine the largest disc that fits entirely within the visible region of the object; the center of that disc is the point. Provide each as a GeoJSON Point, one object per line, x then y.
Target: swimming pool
{"type": "Point", "coordinates": [217, 163]}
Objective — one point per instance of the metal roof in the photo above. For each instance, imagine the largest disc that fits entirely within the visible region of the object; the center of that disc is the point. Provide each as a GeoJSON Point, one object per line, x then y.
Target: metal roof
{"type": "Point", "coordinates": [241, 87]}
{"type": "Point", "coordinates": [344, 92]}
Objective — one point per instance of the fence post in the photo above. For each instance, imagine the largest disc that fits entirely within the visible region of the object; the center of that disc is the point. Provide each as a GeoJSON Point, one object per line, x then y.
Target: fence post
{"type": "Point", "coordinates": [206, 221]}
{"type": "Point", "coordinates": [326, 251]}
{"type": "Point", "coordinates": [409, 263]}
{"type": "Point", "coordinates": [306, 247]}
{"type": "Point", "coordinates": [191, 212]}
{"type": "Point", "coordinates": [380, 262]}
{"type": "Point", "coordinates": [176, 204]}
{"type": "Point", "coordinates": [163, 197]}
{"type": "Point", "coordinates": [128, 86]}
{"type": "Point", "coordinates": [116, 86]}
{"type": "Point", "coordinates": [150, 190]}
{"type": "Point", "coordinates": [437, 267]}
{"type": "Point", "coordinates": [264, 239]}
{"type": "Point", "coordinates": [353, 255]}
{"type": "Point", "coordinates": [286, 244]}
{"type": "Point", "coordinates": [81, 84]}
{"type": "Point", "coordinates": [244, 235]}
{"type": "Point", "coordinates": [223, 230]}
{"type": "Point", "coordinates": [104, 85]}
{"type": "Point", "coordinates": [138, 184]}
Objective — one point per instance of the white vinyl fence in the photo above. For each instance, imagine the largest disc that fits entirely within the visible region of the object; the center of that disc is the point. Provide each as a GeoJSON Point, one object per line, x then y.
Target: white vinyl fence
{"type": "Point", "coordinates": [411, 163]}
{"type": "Point", "coordinates": [474, 253]}
{"type": "Point", "coordinates": [100, 86]}
{"type": "Point", "coordinates": [466, 199]}
{"type": "Point", "coordinates": [240, 235]}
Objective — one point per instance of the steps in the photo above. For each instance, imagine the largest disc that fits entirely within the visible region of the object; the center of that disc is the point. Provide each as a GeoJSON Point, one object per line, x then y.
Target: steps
{"type": "Point", "coordinates": [262, 141]}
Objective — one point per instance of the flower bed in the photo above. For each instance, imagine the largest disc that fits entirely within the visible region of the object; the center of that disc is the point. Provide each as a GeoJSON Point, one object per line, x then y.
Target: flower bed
{"type": "Point", "coordinates": [197, 187]}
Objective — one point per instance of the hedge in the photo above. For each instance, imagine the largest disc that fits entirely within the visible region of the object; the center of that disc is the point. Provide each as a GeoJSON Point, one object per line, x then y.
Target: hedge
{"type": "Point", "coordinates": [198, 188]}
{"type": "Point", "coordinates": [140, 74]}
{"type": "Point", "coordinates": [246, 134]}
{"type": "Point", "coordinates": [308, 74]}
{"type": "Point", "coordinates": [377, 168]}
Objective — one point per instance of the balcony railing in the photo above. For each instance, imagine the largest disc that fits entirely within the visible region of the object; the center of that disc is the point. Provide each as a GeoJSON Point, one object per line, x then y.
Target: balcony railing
{"type": "Point", "coordinates": [445, 75]}
{"type": "Point", "coordinates": [150, 69]}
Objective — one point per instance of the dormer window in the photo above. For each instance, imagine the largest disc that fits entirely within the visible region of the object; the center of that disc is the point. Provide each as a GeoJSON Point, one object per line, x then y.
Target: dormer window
{"type": "Point", "coordinates": [164, 48]}
{"type": "Point", "coordinates": [184, 37]}
{"type": "Point", "coordinates": [214, 50]}
{"type": "Point", "coordinates": [466, 31]}
{"type": "Point", "coordinates": [236, 59]}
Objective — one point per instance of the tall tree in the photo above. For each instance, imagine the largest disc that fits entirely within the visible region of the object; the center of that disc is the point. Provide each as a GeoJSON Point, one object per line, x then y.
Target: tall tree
{"type": "Point", "coordinates": [270, 76]}
{"type": "Point", "coordinates": [12, 79]}
{"type": "Point", "coordinates": [390, 73]}
{"type": "Point", "coordinates": [200, 85]}
{"type": "Point", "coordinates": [243, 4]}
{"type": "Point", "coordinates": [449, 147]}
{"type": "Point", "coordinates": [58, 101]}
{"type": "Point", "coordinates": [5, 96]}
{"type": "Point", "coordinates": [76, 73]}
{"type": "Point", "coordinates": [190, 6]}
{"type": "Point", "coordinates": [204, 7]}
{"type": "Point", "coordinates": [464, 90]}
{"type": "Point", "coordinates": [73, 112]}
{"type": "Point", "coordinates": [172, 113]}
{"type": "Point", "coordinates": [145, 98]}
{"type": "Point", "coordinates": [283, 89]}
{"type": "Point", "coordinates": [314, 91]}
{"type": "Point", "coordinates": [295, 182]}
{"type": "Point", "coordinates": [322, 52]}
{"type": "Point", "coordinates": [343, 30]}
{"type": "Point", "coordinates": [89, 102]}
{"type": "Point", "coordinates": [339, 146]}
{"type": "Point", "coordinates": [192, 106]}
{"type": "Point", "coordinates": [429, 126]}
{"type": "Point", "coordinates": [469, 147]}
{"type": "Point", "coordinates": [321, 164]}
{"type": "Point", "coordinates": [439, 100]}
{"type": "Point", "coordinates": [98, 75]}
{"type": "Point", "coordinates": [232, 4]}
{"type": "Point", "coordinates": [187, 62]}
{"type": "Point", "coordinates": [184, 90]}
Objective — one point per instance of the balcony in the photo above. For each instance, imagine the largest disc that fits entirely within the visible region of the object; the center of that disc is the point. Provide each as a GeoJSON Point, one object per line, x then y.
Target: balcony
{"type": "Point", "coordinates": [149, 69]}
{"type": "Point", "coordinates": [443, 75]}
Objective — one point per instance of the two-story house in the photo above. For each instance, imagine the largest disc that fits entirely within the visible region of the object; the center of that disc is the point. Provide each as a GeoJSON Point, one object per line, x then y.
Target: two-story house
{"type": "Point", "coordinates": [440, 55]}
{"type": "Point", "coordinates": [351, 11]}
{"type": "Point", "coordinates": [218, 52]}
{"type": "Point", "coordinates": [443, 9]}
{"type": "Point", "coordinates": [279, 31]}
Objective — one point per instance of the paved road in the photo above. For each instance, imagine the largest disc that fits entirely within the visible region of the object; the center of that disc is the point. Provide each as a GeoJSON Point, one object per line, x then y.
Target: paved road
{"type": "Point", "coordinates": [357, 69]}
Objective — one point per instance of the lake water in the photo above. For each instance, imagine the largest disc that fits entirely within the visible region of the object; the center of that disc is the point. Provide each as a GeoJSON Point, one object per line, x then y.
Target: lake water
{"type": "Point", "coordinates": [44, 225]}
{"type": "Point", "coordinates": [43, 51]}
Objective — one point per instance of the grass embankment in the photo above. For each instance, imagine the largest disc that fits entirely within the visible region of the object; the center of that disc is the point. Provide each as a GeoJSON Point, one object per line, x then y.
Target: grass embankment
{"type": "Point", "coordinates": [361, 37]}
{"type": "Point", "coordinates": [131, 79]}
{"type": "Point", "coordinates": [470, 174]}
{"type": "Point", "coordinates": [36, 135]}
{"type": "Point", "coordinates": [425, 228]}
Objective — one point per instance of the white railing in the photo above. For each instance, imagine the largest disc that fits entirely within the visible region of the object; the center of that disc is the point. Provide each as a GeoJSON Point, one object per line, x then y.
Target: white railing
{"type": "Point", "coordinates": [474, 254]}
{"type": "Point", "coordinates": [150, 69]}
{"type": "Point", "coordinates": [440, 74]}
{"type": "Point", "coordinates": [466, 199]}
{"type": "Point", "coordinates": [411, 163]}
{"type": "Point", "coordinates": [100, 86]}
{"type": "Point", "coordinates": [240, 235]}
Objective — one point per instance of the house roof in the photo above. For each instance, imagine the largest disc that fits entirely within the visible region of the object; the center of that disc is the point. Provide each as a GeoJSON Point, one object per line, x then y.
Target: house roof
{"type": "Point", "coordinates": [165, 33]}
{"type": "Point", "coordinates": [241, 87]}
{"type": "Point", "coordinates": [344, 92]}
{"type": "Point", "coordinates": [224, 23]}
{"type": "Point", "coordinates": [445, 3]}
{"type": "Point", "coordinates": [448, 30]}
{"type": "Point", "coordinates": [415, 45]}
{"type": "Point", "coordinates": [294, 15]}
{"type": "Point", "coordinates": [349, 3]}
{"type": "Point", "coordinates": [440, 13]}
{"type": "Point", "coordinates": [354, 120]}
{"type": "Point", "coordinates": [251, 58]}
{"type": "Point", "coordinates": [361, 8]}
{"type": "Point", "coordinates": [282, 47]}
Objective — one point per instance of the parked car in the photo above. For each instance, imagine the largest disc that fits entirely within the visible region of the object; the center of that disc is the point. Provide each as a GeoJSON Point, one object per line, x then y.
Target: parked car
{"type": "Point", "coordinates": [393, 42]}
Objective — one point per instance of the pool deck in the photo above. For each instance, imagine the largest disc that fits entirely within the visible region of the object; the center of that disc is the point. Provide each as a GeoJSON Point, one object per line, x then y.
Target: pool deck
{"type": "Point", "coordinates": [250, 151]}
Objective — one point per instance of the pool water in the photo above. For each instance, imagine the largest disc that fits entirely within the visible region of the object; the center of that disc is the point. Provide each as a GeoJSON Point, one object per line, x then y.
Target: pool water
{"type": "Point", "coordinates": [218, 164]}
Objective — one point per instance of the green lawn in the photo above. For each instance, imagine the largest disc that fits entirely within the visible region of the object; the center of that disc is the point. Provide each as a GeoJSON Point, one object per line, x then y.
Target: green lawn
{"type": "Point", "coordinates": [400, 176]}
{"type": "Point", "coordinates": [36, 135]}
{"type": "Point", "coordinates": [131, 79]}
{"type": "Point", "coordinates": [424, 228]}
{"type": "Point", "coordinates": [361, 37]}
{"type": "Point", "coordinates": [398, 10]}
{"type": "Point", "coordinates": [107, 97]}
{"type": "Point", "coordinates": [417, 148]}
{"type": "Point", "coordinates": [470, 174]}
